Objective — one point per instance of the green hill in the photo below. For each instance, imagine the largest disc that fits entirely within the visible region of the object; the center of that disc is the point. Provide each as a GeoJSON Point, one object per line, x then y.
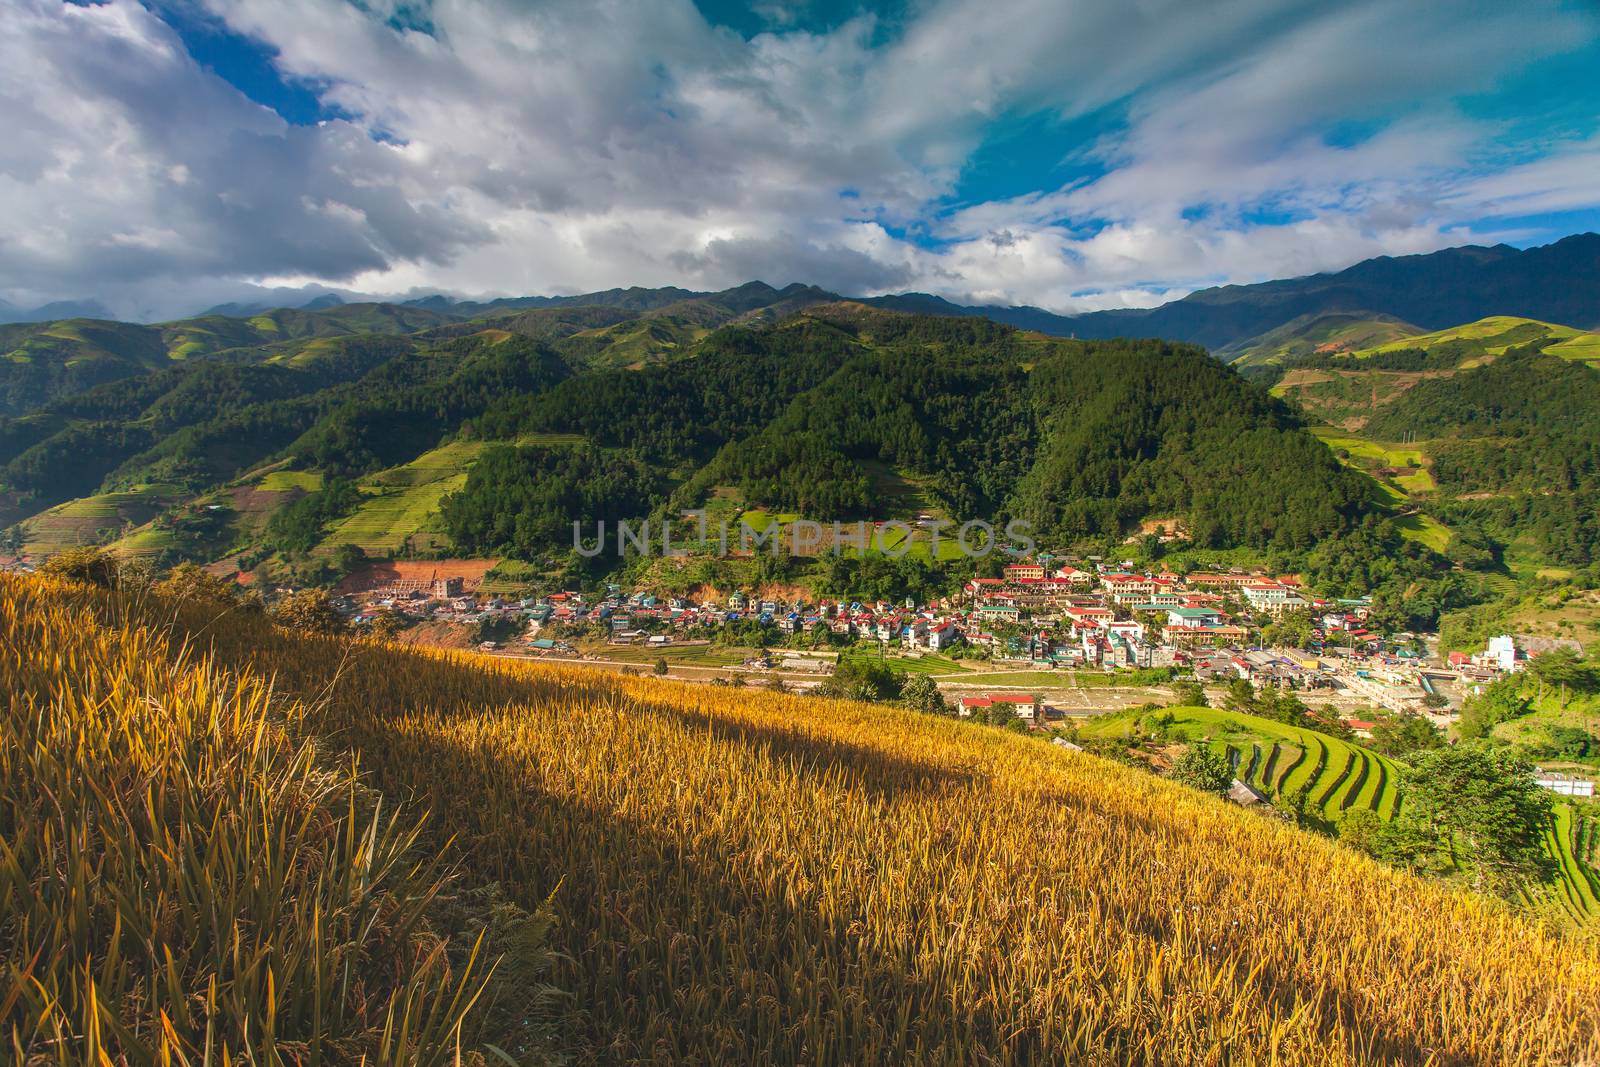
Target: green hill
{"type": "Point", "coordinates": [41, 362]}
{"type": "Point", "coordinates": [1308, 335]}
{"type": "Point", "coordinates": [1471, 343]}
{"type": "Point", "coordinates": [838, 411]}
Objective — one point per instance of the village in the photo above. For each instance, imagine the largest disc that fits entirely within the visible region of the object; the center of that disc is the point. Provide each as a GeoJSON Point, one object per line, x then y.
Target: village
{"type": "Point", "coordinates": [1053, 639]}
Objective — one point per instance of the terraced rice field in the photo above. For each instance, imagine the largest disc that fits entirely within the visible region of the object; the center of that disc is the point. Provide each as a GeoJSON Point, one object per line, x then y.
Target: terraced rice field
{"type": "Point", "coordinates": [1272, 757]}
{"type": "Point", "coordinates": [1584, 348]}
{"type": "Point", "coordinates": [286, 481]}
{"type": "Point", "coordinates": [1425, 529]}
{"type": "Point", "coordinates": [1339, 777]}
{"type": "Point", "coordinates": [1573, 838]}
{"type": "Point", "coordinates": [387, 517]}
{"type": "Point", "coordinates": [403, 502]}
{"type": "Point", "coordinates": [95, 519]}
{"type": "Point", "coordinates": [1491, 336]}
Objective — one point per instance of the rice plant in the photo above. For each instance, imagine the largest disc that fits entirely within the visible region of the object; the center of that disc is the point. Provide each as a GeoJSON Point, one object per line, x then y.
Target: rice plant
{"type": "Point", "coordinates": [183, 880]}
{"type": "Point", "coordinates": [758, 878]}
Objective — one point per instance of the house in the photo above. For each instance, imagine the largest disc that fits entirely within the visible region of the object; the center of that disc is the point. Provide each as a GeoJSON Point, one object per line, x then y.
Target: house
{"type": "Point", "coordinates": [1566, 785]}
{"type": "Point", "coordinates": [990, 613]}
{"type": "Point", "coordinates": [1026, 706]}
{"type": "Point", "coordinates": [942, 636]}
{"type": "Point", "coordinates": [1023, 572]}
{"type": "Point", "coordinates": [1502, 652]}
{"type": "Point", "coordinates": [1128, 588]}
{"type": "Point", "coordinates": [1216, 581]}
{"type": "Point", "coordinates": [1194, 617]}
{"type": "Point", "coordinates": [1244, 794]}
{"type": "Point", "coordinates": [1265, 596]}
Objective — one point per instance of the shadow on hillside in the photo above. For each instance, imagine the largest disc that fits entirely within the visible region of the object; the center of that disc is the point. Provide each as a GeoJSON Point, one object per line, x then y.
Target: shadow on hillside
{"type": "Point", "coordinates": [862, 766]}
{"type": "Point", "coordinates": [681, 950]}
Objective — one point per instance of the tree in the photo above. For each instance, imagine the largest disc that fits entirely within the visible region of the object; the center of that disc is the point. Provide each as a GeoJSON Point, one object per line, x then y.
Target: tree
{"type": "Point", "coordinates": [386, 624]}
{"type": "Point", "coordinates": [1482, 814]}
{"type": "Point", "coordinates": [1201, 768]}
{"type": "Point", "coordinates": [1189, 695]}
{"type": "Point", "coordinates": [87, 564]}
{"type": "Point", "coordinates": [348, 557]}
{"type": "Point", "coordinates": [1400, 841]}
{"type": "Point", "coordinates": [1401, 735]}
{"type": "Point", "coordinates": [856, 679]}
{"type": "Point", "coordinates": [1563, 669]}
{"type": "Point", "coordinates": [1292, 630]}
{"type": "Point", "coordinates": [921, 693]}
{"type": "Point", "coordinates": [1241, 696]}
{"type": "Point", "coordinates": [194, 584]}
{"type": "Point", "coordinates": [308, 611]}
{"type": "Point", "coordinates": [1281, 706]}
{"type": "Point", "coordinates": [1500, 703]}
{"type": "Point", "coordinates": [661, 665]}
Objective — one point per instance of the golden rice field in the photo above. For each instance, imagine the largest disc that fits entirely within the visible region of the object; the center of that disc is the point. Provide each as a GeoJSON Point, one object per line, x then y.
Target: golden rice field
{"type": "Point", "coordinates": [735, 877]}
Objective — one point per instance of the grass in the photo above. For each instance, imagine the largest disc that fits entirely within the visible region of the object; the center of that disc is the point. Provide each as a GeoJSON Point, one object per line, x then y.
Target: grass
{"type": "Point", "coordinates": [1424, 529]}
{"type": "Point", "coordinates": [287, 481]}
{"type": "Point", "coordinates": [675, 655]}
{"type": "Point", "coordinates": [1384, 455]}
{"type": "Point", "coordinates": [737, 876]}
{"type": "Point", "coordinates": [1044, 679]}
{"type": "Point", "coordinates": [929, 663]}
{"type": "Point", "coordinates": [1415, 478]}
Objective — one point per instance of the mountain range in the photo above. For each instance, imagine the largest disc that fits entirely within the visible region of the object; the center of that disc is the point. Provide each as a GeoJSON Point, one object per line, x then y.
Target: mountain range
{"type": "Point", "coordinates": [1558, 282]}
{"type": "Point", "coordinates": [283, 437]}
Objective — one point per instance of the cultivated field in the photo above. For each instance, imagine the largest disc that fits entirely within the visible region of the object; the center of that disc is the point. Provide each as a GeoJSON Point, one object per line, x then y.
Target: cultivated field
{"type": "Point", "coordinates": [736, 877]}
{"type": "Point", "coordinates": [1275, 757]}
{"type": "Point", "coordinates": [1338, 777]}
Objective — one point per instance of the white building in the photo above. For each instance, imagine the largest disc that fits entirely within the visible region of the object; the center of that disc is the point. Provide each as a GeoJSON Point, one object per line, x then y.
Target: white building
{"type": "Point", "coordinates": [1503, 652]}
{"type": "Point", "coordinates": [1566, 785]}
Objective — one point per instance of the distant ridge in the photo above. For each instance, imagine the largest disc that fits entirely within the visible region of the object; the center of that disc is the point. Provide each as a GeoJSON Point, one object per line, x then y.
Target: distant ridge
{"type": "Point", "coordinates": [1559, 282]}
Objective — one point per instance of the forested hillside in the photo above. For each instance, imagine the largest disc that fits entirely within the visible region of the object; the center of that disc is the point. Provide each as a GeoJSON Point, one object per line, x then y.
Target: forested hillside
{"type": "Point", "coordinates": [734, 401]}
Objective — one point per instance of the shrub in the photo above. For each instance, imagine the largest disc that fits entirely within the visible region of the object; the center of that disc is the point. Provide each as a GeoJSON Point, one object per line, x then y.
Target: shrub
{"type": "Point", "coordinates": [87, 564]}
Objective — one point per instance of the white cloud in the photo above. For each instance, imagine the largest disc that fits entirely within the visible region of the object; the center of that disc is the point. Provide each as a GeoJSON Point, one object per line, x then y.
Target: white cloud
{"type": "Point", "coordinates": [569, 145]}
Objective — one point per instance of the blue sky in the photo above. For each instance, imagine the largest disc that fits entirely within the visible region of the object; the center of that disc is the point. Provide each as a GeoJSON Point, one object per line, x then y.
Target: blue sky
{"type": "Point", "coordinates": [1060, 153]}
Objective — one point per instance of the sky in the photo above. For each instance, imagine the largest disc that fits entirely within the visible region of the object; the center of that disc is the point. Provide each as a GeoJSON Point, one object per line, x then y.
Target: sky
{"type": "Point", "coordinates": [164, 156]}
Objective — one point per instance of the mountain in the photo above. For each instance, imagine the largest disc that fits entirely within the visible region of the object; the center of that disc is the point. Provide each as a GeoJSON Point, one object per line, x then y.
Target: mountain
{"type": "Point", "coordinates": [42, 361]}
{"type": "Point", "coordinates": [59, 309]}
{"type": "Point", "coordinates": [1349, 387]}
{"type": "Point", "coordinates": [492, 436]}
{"type": "Point", "coordinates": [1328, 332]}
{"type": "Point", "coordinates": [1559, 282]}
